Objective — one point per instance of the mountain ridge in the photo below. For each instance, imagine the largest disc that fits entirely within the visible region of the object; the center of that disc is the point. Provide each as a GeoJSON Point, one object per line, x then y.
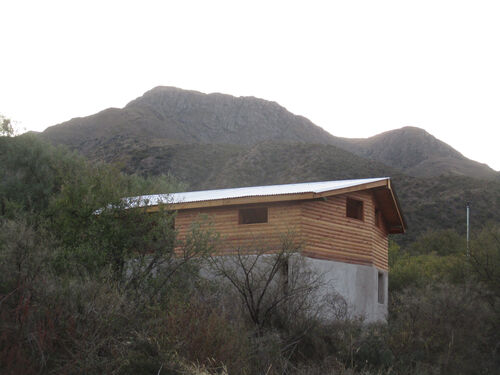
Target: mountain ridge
{"type": "Point", "coordinates": [168, 115]}
{"type": "Point", "coordinates": [179, 116]}
{"type": "Point", "coordinates": [418, 153]}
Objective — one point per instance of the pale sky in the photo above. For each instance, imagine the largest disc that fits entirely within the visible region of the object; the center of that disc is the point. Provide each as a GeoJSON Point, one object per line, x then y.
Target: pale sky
{"type": "Point", "coordinates": [355, 68]}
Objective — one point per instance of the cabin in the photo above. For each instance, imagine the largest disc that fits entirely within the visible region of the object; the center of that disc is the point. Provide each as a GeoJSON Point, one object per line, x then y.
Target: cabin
{"type": "Point", "coordinates": [343, 227]}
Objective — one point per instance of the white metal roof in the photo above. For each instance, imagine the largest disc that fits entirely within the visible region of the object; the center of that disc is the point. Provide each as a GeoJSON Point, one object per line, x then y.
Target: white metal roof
{"type": "Point", "coordinates": [252, 191]}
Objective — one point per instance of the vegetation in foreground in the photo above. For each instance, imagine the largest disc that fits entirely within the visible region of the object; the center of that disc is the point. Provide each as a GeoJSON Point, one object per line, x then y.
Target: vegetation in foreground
{"type": "Point", "coordinates": [82, 293]}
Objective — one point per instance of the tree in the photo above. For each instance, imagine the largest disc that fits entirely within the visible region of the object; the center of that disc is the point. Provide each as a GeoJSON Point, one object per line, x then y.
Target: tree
{"type": "Point", "coordinates": [65, 191]}
{"type": "Point", "coordinates": [6, 128]}
{"type": "Point", "coordinates": [440, 242]}
{"type": "Point", "coordinates": [99, 228]}
{"type": "Point", "coordinates": [485, 259]}
{"type": "Point", "coordinates": [87, 278]}
{"type": "Point", "coordinates": [31, 173]}
{"type": "Point", "coordinates": [272, 284]}
{"type": "Point", "coordinates": [437, 256]}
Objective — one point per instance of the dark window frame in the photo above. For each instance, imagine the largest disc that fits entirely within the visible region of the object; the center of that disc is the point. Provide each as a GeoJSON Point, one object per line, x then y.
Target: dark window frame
{"type": "Point", "coordinates": [354, 209]}
{"type": "Point", "coordinates": [253, 215]}
{"type": "Point", "coordinates": [381, 288]}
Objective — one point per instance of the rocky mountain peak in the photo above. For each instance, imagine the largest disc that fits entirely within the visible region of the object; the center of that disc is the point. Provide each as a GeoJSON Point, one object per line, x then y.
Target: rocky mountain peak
{"type": "Point", "coordinates": [172, 116]}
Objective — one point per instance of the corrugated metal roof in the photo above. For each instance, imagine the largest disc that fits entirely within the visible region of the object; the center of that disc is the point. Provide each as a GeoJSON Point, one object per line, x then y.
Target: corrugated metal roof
{"type": "Point", "coordinates": [252, 191]}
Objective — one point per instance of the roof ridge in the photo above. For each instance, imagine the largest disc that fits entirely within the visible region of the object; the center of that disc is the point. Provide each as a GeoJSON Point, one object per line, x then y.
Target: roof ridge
{"type": "Point", "coordinates": [250, 191]}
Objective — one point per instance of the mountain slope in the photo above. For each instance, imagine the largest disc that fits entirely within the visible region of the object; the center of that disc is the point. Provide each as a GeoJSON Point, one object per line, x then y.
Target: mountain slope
{"type": "Point", "coordinates": [205, 166]}
{"type": "Point", "coordinates": [281, 163]}
{"type": "Point", "coordinates": [215, 141]}
{"type": "Point", "coordinates": [171, 116]}
{"type": "Point", "coordinates": [417, 153]}
{"type": "Point", "coordinates": [168, 115]}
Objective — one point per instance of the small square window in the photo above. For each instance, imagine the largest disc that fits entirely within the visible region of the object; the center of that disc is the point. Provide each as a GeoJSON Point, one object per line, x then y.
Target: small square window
{"type": "Point", "coordinates": [253, 215]}
{"type": "Point", "coordinates": [354, 209]}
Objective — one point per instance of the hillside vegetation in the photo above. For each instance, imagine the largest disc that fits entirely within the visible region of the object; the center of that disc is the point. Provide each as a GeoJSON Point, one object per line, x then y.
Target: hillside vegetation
{"type": "Point", "coordinates": [87, 293]}
{"type": "Point", "coordinates": [216, 141]}
{"type": "Point", "coordinates": [427, 203]}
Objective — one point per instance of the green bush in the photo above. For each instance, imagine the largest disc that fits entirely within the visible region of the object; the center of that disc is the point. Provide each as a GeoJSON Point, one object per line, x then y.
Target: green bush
{"type": "Point", "coordinates": [423, 270]}
{"type": "Point", "coordinates": [441, 242]}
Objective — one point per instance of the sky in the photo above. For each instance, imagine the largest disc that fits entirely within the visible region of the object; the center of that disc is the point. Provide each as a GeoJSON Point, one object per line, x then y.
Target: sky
{"type": "Point", "coordinates": [355, 68]}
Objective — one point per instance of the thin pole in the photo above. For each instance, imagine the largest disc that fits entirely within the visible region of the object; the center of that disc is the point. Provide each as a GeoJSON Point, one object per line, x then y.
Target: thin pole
{"type": "Point", "coordinates": [468, 227]}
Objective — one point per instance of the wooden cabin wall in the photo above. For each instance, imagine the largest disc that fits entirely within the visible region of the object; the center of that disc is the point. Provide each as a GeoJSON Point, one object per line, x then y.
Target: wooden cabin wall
{"type": "Point", "coordinates": [381, 246]}
{"type": "Point", "coordinates": [320, 225]}
{"type": "Point", "coordinates": [283, 218]}
{"type": "Point", "coordinates": [329, 234]}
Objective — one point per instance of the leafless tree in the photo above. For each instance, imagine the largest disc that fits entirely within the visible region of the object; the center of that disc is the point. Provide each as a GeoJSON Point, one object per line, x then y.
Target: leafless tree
{"type": "Point", "coordinates": [272, 283]}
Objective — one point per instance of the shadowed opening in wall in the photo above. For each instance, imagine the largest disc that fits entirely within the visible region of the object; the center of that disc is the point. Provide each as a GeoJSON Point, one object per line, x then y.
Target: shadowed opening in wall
{"type": "Point", "coordinates": [381, 288]}
{"type": "Point", "coordinates": [253, 215]}
{"type": "Point", "coordinates": [354, 209]}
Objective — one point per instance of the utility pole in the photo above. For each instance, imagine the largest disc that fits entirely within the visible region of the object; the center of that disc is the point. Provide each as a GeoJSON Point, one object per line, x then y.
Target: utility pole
{"type": "Point", "coordinates": [468, 227]}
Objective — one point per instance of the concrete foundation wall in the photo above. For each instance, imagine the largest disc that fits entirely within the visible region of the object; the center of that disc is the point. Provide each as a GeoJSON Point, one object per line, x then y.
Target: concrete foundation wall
{"type": "Point", "coordinates": [358, 285]}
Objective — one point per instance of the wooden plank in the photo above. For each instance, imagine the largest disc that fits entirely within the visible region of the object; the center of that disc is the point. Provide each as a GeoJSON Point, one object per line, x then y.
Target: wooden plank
{"type": "Point", "coordinates": [345, 254]}
{"type": "Point", "coordinates": [348, 246]}
{"type": "Point", "coordinates": [338, 257]}
{"type": "Point", "coordinates": [337, 229]}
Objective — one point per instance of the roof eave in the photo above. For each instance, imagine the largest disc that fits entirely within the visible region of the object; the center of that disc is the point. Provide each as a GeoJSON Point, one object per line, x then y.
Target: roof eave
{"type": "Point", "coordinates": [256, 199]}
{"type": "Point", "coordinates": [350, 189]}
{"type": "Point", "coordinates": [403, 227]}
{"type": "Point", "coordinates": [236, 201]}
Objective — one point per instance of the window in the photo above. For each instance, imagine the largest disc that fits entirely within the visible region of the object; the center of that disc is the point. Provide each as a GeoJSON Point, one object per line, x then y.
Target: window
{"type": "Point", "coordinates": [381, 288]}
{"type": "Point", "coordinates": [354, 209]}
{"type": "Point", "coordinates": [253, 215]}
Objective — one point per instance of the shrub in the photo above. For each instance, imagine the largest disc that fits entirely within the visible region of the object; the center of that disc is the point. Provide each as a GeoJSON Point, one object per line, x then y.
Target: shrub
{"type": "Point", "coordinates": [443, 327]}
{"type": "Point", "coordinates": [202, 332]}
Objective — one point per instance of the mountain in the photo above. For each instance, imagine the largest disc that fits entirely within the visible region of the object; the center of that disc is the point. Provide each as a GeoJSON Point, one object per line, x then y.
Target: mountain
{"type": "Point", "coordinates": [217, 141]}
{"type": "Point", "coordinates": [167, 116]}
{"type": "Point", "coordinates": [417, 153]}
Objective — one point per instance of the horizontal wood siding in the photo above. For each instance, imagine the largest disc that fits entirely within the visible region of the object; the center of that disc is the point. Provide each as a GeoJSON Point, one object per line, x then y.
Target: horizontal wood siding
{"type": "Point", "coordinates": [283, 218]}
{"type": "Point", "coordinates": [329, 234]}
{"type": "Point", "coordinates": [379, 237]}
{"type": "Point", "coordinates": [380, 246]}
{"type": "Point", "coordinates": [320, 225]}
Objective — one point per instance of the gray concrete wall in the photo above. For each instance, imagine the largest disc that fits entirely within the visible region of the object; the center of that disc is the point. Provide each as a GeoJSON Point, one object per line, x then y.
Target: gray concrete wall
{"type": "Point", "coordinates": [357, 284]}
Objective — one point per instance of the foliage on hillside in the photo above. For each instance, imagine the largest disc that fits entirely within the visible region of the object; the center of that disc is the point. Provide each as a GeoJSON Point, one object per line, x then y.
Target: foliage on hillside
{"type": "Point", "coordinates": [440, 203]}
{"type": "Point", "coordinates": [427, 203]}
{"type": "Point", "coordinates": [88, 293]}
{"type": "Point", "coordinates": [215, 141]}
{"type": "Point", "coordinates": [278, 163]}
